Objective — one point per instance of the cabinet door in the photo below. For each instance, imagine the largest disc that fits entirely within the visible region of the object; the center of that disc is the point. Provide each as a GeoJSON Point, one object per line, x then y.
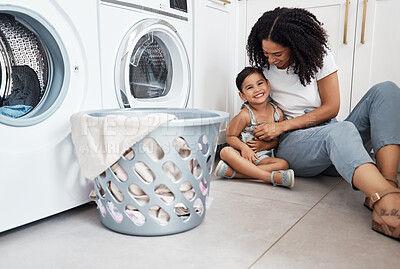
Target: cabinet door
{"type": "Point", "coordinates": [376, 59]}
{"type": "Point", "coordinates": [213, 55]}
{"type": "Point", "coordinates": [333, 16]}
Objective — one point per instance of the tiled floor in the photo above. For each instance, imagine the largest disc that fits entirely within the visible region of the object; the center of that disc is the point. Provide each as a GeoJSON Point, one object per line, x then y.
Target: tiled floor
{"type": "Point", "coordinates": [320, 223]}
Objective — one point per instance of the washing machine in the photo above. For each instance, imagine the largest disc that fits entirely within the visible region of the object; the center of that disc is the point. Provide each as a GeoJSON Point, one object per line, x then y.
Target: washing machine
{"type": "Point", "coordinates": [49, 64]}
{"type": "Point", "coordinates": [146, 53]}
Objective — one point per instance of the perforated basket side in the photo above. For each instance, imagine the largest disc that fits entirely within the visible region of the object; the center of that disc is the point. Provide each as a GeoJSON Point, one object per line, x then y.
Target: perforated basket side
{"type": "Point", "coordinates": [189, 149]}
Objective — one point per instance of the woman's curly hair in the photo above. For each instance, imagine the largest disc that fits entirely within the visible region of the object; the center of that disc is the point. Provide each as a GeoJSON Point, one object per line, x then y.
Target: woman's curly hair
{"type": "Point", "coordinates": [295, 28]}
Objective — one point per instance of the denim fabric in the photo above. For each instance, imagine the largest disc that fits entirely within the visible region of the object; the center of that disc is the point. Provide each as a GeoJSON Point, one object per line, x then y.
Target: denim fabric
{"type": "Point", "coordinates": [338, 148]}
{"type": "Point", "coordinates": [377, 116]}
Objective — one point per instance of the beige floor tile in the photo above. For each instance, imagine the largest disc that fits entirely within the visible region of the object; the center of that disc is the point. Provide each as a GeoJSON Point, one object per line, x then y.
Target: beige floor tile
{"type": "Point", "coordinates": [335, 234]}
{"type": "Point", "coordinates": [345, 198]}
{"type": "Point", "coordinates": [307, 191]}
{"type": "Point", "coordinates": [320, 223]}
{"type": "Point", "coordinates": [236, 231]}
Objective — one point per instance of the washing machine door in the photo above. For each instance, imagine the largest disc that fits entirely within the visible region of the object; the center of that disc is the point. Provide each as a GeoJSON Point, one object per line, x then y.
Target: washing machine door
{"type": "Point", "coordinates": [153, 68]}
{"type": "Point", "coordinates": [31, 64]}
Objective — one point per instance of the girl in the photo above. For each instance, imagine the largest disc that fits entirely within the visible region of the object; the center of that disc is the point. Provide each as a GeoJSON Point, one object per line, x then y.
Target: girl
{"type": "Point", "coordinates": [249, 157]}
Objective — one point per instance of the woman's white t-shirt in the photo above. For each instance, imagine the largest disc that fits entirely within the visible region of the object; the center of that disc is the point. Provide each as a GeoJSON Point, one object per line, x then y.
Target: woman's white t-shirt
{"type": "Point", "coordinates": [290, 95]}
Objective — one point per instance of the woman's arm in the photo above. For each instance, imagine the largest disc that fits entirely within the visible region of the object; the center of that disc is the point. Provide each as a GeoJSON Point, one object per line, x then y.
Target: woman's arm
{"type": "Point", "coordinates": [328, 88]}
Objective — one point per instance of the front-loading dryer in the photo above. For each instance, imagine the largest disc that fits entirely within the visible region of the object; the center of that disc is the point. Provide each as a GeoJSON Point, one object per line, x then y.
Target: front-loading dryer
{"type": "Point", "coordinates": [49, 64]}
{"type": "Point", "coordinates": [146, 53]}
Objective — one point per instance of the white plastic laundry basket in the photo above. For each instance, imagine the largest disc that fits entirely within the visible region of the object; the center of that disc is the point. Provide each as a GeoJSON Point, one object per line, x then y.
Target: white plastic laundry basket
{"type": "Point", "coordinates": [160, 185]}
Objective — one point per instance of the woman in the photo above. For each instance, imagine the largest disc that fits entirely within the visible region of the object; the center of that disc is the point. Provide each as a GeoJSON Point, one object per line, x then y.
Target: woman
{"type": "Point", "coordinates": [291, 46]}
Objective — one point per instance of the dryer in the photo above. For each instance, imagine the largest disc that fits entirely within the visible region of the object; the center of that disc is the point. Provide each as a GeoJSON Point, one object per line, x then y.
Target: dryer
{"type": "Point", "coordinates": [146, 53]}
{"type": "Point", "coordinates": [49, 62]}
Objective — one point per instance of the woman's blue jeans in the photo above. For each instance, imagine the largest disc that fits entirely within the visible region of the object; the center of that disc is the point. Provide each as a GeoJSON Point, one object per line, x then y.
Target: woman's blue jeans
{"type": "Point", "coordinates": [338, 148]}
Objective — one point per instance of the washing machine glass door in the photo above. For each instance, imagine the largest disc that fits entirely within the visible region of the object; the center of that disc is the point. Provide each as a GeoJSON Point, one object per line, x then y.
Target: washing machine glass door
{"type": "Point", "coordinates": [31, 64]}
{"type": "Point", "coordinates": [154, 67]}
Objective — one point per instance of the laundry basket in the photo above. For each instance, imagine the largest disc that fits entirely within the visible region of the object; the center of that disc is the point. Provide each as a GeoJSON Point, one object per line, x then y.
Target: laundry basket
{"type": "Point", "coordinates": [160, 184]}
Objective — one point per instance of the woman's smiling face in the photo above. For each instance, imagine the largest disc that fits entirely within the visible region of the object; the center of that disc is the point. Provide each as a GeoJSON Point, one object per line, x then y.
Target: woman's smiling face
{"type": "Point", "coordinates": [276, 54]}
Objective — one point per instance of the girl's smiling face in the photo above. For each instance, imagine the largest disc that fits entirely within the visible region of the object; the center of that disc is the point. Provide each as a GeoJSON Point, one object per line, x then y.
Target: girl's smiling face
{"type": "Point", "coordinates": [255, 89]}
{"type": "Point", "coordinates": [276, 54]}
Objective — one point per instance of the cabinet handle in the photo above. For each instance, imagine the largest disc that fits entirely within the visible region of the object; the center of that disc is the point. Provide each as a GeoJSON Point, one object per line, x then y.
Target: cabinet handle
{"type": "Point", "coordinates": [346, 21]}
{"type": "Point", "coordinates": [363, 22]}
{"type": "Point", "coordinates": [226, 2]}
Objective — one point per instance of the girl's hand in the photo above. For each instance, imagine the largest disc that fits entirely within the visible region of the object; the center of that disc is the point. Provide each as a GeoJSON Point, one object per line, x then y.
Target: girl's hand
{"type": "Point", "coordinates": [258, 145]}
{"type": "Point", "coordinates": [249, 154]}
{"type": "Point", "coordinates": [267, 131]}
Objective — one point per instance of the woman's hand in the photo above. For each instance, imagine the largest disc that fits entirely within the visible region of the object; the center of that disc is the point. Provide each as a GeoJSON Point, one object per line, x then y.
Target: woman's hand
{"type": "Point", "coordinates": [249, 154]}
{"type": "Point", "coordinates": [267, 131]}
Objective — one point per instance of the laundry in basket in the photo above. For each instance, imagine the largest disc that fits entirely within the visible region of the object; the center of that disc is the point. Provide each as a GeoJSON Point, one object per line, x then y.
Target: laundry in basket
{"type": "Point", "coordinates": [156, 179]}
{"type": "Point", "coordinates": [101, 141]}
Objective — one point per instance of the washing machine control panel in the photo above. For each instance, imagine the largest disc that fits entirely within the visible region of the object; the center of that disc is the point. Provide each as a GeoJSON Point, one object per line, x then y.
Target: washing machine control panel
{"type": "Point", "coordinates": [174, 7]}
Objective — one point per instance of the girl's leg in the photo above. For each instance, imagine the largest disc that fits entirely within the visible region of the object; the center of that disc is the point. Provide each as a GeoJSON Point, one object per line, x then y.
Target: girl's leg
{"type": "Point", "coordinates": [243, 167]}
{"type": "Point", "coordinates": [246, 169]}
{"type": "Point", "coordinates": [268, 165]}
{"type": "Point", "coordinates": [273, 164]}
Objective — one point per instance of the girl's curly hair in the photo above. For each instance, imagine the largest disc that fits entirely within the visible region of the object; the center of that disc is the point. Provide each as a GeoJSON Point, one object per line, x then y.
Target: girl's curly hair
{"type": "Point", "coordinates": [295, 28]}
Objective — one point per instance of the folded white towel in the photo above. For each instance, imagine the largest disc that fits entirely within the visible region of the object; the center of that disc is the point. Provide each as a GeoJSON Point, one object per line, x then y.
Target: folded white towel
{"type": "Point", "coordinates": [101, 141]}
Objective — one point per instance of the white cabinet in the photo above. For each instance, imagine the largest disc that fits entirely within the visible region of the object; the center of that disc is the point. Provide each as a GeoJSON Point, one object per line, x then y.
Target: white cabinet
{"type": "Point", "coordinates": [378, 58]}
{"type": "Point", "coordinates": [214, 55]}
{"type": "Point", "coordinates": [361, 65]}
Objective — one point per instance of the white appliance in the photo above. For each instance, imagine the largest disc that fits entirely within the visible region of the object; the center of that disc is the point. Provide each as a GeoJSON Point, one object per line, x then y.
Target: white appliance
{"type": "Point", "coordinates": [57, 41]}
{"type": "Point", "coordinates": [146, 53]}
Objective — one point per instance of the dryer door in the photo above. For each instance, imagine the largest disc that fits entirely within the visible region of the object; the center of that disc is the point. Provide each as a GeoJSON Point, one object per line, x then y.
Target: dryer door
{"type": "Point", "coordinates": [152, 68]}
